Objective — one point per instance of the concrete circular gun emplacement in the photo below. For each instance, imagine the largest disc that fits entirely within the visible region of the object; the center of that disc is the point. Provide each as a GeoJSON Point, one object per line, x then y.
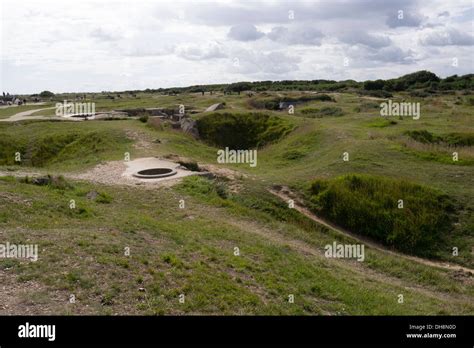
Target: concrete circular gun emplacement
{"type": "Point", "coordinates": [154, 173]}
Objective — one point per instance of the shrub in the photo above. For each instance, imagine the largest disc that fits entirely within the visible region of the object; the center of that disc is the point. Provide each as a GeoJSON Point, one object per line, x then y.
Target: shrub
{"type": "Point", "coordinates": [368, 205]}
{"type": "Point", "coordinates": [46, 94]}
{"type": "Point", "coordinates": [374, 85]}
{"type": "Point", "coordinates": [376, 93]}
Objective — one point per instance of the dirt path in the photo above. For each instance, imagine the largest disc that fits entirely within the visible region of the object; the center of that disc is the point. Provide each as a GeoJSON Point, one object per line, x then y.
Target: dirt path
{"type": "Point", "coordinates": [25, 115]}
{"type": "Point", "coordinates": [286, 195]}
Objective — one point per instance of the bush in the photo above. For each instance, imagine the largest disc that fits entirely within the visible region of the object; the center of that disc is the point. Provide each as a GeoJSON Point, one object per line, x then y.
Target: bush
{"type": "Point", "coordinates": [368, 205]}
{"type": "Point", "coordinates": [46, 94]}
{"type": "Point", "coordinates": [374, 85]}
{"type": "Point", "coordinates": [377, 93]}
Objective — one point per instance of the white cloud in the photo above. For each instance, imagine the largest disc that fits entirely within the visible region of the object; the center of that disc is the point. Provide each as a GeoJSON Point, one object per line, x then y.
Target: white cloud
{"type": "Point", "coordinates": [354, 37]}
{"type": "Point", "coordinates": [196, 52]}
{"type": "Point", "coordinates": [447, 37]}
{"type": "Point", "coordinates": [107, 45]}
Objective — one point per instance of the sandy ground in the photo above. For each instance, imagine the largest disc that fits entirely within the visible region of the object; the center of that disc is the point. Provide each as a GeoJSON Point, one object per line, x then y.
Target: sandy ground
{"type": "Point", "coordinates": [121, 172]}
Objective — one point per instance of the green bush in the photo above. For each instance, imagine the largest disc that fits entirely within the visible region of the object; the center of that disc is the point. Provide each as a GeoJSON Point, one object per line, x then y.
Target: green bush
{"type": "Point", "coordinates": [368, 205]}
{"type": "Point", "coordinates": [242, 131]}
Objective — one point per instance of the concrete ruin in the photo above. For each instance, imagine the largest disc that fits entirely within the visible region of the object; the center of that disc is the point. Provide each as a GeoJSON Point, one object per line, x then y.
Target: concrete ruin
{"type": "Point", "coordinates": [215, 107]}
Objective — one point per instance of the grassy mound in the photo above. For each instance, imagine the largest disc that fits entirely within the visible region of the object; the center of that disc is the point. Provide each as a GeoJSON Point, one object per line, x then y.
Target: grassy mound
{"type": "Point", "coordinates": [41, 147]}
{"type": "Point", "coordinates": [369, 205]}
{"type": "Point", "coordinates": [242, 131]}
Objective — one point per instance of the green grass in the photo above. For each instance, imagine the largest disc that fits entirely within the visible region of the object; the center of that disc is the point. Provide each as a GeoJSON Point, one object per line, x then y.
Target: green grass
{"type": "Point", "coordinates": [10, 111]}
{"type": "Point", "coordinates": [408, 217]}
{"type": "Point", "coordinates": [242, 131]}
{"type": "Point", "coordinates": [57, 144]}
{"type": "Point", "coordinates": [191, 250]}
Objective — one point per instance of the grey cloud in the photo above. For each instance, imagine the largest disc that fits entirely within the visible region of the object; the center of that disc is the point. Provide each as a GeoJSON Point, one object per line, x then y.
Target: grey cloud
{"type": "Point", "coordinates": [392, 54]}
{"type": "Point", "coordinates": [252, 62]}
{"type": "Point", "coordinates": [245, 32]}
{"type": "Point", "coordinates": [449, 37]}
{"type": "Point", "coordinates": [363, 38]}
{"type": "Point", "coordinates": [257, 12]}
{"type": "Point", "coordinates": [296, 35]}
{"type": "Point", "coordinates": [408, 19]}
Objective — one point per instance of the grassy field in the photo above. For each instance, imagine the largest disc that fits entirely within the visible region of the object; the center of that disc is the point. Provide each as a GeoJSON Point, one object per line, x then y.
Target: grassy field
{"type": "Point", "coordinates": [191, 251]}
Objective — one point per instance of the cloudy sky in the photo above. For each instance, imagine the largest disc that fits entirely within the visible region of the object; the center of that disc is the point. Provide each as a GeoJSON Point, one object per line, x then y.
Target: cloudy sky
{"type": "Point", "coordinates": [68, 46]}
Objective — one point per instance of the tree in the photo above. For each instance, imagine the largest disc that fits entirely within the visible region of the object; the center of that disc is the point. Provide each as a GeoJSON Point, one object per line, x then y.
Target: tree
{"type": "Point", "coordinates": [46, 94]}
{"type": "Point", "coordinates": [374, 85]}
{"type": "Point", "coordinates": [239, 87]}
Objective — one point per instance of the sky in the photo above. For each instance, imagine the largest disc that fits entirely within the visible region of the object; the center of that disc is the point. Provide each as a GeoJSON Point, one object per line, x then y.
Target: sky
{"type": "Point", "coordinates": [93, 46]}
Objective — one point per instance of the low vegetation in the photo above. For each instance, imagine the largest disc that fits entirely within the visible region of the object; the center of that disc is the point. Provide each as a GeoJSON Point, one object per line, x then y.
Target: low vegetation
{"type": "Point", "coordinates": [397, 213]}
{"type": "Point", "coordinates": [242, 130]}
{"type": "Point", "coordinates": [43, 144]}
{"type": "Point", "coordinates": [450, 139]}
